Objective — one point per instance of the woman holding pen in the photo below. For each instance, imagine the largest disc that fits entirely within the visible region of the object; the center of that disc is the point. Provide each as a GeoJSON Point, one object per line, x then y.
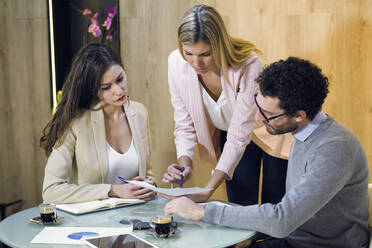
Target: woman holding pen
{"type": "Point", "coordinates": [212, 84]}
{"type": "Point", "coordinates": [96, 134]}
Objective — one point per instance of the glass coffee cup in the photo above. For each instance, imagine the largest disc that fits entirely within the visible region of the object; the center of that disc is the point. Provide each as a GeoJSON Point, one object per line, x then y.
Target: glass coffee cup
{"type": "Point", "coordinates": [162, 225]}
{"type": "Point", "coordinates": [48, 213]}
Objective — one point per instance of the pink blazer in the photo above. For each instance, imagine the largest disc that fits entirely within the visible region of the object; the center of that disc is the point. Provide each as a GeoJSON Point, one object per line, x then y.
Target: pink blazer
{"type": "Point", "coordinates": [191, 123]}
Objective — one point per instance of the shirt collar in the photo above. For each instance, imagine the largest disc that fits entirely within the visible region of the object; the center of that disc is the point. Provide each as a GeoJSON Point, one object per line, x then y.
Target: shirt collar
{"type": "Point", "coordinates": [305, 132]}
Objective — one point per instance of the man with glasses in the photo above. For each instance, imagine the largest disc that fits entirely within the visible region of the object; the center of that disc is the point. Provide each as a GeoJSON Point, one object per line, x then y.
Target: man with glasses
{"type": "Point", "coordinates": [268, 119]}
{"type": "Point", "coordinates": [326, 200]}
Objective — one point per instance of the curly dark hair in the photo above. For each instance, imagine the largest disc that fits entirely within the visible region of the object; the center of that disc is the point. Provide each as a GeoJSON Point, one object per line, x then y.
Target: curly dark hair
{"type": "Point", "coordinates": [299, 85]}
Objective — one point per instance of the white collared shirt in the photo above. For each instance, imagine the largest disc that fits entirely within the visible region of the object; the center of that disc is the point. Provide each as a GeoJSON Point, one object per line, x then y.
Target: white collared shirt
{"type": "Point", "coordinates": [305, 132]}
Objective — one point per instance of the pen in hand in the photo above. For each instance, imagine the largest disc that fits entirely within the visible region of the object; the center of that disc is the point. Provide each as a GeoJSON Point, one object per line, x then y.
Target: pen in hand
{"type": "Point", "coordinates": [181, 181]}
{"type": "Point", "coordinates": [122, 179]}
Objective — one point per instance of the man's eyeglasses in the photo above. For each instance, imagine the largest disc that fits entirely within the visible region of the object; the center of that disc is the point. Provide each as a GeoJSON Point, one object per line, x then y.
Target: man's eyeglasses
{"type": "Point", "coordinates": [268, 119]}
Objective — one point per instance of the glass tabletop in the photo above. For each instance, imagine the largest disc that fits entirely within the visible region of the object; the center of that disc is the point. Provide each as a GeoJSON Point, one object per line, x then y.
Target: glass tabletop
{"type": "Point", "coordinates": [17, 230]}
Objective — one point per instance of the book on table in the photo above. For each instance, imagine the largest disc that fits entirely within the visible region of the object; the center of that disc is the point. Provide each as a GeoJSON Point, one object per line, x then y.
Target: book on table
{"type": "Point", "coordinates": [98, 205]}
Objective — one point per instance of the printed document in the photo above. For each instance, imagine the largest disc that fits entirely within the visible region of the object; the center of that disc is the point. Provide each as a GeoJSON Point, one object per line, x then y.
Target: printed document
{"type": "Point", "coordinates": [171, 192]}
{"type": "Point", "coordinates": [75, 235]}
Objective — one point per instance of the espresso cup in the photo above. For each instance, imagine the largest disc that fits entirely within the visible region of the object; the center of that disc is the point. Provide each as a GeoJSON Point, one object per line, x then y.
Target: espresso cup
{"type": "Point", "coordinates": [48, 213]}
{"type": "Point", "coordinates": [162, 225]}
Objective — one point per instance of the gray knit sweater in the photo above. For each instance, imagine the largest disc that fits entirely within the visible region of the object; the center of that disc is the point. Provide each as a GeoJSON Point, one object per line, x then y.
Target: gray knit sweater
{"type": "Point", "coordinates": [326, 200]}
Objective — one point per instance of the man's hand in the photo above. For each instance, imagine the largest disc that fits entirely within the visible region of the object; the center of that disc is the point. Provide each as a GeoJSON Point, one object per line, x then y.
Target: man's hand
{"type": "Point", "coordinates": [185, 208]}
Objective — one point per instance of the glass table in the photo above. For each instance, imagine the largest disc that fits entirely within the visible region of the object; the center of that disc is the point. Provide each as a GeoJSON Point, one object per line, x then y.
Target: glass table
{"type": "Point", "coordinates": [17, 230]}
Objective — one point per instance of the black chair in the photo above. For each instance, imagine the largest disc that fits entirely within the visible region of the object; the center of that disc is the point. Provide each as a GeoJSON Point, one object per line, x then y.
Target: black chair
{"type": "Point", "coordinates": [3, 207]}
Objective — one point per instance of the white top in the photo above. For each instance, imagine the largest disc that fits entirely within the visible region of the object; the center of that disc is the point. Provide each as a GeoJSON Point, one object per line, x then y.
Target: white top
{"type": "Point", "coordinates": [219, 112]}
{"type": "Point", "coordinates": [125, 165]}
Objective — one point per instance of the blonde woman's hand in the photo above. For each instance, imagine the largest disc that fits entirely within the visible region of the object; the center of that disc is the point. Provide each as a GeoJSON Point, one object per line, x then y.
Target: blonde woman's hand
{"type": "Point", "coordinates": [173, 174]}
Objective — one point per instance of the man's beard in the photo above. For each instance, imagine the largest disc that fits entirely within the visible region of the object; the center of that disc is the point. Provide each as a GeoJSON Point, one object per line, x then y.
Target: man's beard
{"type": "Point", "coordinates": [285, 128]}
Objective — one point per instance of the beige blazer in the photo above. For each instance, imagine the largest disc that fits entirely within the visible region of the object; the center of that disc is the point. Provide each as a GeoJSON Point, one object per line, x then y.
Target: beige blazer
{"type": "Point", "coordinates": [77, 168]}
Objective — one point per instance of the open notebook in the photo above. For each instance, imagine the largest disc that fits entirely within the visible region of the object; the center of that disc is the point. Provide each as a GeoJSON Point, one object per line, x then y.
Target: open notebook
{"type": "Point", "coordinates": [92, 206]}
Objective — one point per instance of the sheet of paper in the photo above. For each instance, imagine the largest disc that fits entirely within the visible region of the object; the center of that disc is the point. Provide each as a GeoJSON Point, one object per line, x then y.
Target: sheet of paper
{"type": "Point", "coordinates": [171, 192]}
{"type": "Point", "coordinates": [74, 235]}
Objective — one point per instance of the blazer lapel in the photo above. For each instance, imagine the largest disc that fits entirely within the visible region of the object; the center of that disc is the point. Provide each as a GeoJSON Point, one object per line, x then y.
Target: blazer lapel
{"type": "Point", "coordinates": [194, 102]}
{"type": "Point", "coordinates": [99, 138]}
{"type": "Point", "coordinates": [231, 92]}
{"type": "Point", "coordinates": [136, 134]}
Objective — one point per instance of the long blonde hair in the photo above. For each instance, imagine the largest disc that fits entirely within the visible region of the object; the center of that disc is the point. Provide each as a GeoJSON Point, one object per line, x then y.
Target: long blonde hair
{"type": "Point", "coordinates": [204, 23]}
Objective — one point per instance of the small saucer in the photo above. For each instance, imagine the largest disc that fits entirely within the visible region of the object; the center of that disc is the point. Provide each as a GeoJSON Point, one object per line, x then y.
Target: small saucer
{"type": "Point", "coordinates": [173, 232]}
{"type": "Point", "coordinates": [37, 220]}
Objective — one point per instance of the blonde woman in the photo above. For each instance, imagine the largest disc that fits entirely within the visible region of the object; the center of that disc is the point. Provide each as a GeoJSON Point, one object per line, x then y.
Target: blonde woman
{"type": "Point", "coordinates": [212, 84]}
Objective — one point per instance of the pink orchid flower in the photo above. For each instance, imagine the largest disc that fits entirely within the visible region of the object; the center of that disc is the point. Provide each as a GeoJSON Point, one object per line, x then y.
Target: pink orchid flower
{"type": "Point", "coordinates": [111, 13]}
{"type": "Point", "coordinates": [94, 28]}
{"type": "Point", "coordinates": [87, 12]}
{"type": "Point", "coordinates": [94, 18]}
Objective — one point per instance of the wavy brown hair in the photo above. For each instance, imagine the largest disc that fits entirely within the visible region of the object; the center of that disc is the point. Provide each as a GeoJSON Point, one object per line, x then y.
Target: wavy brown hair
{"type": "Point", "coordinates": [204, 23]}
{"type": "Point", "coordinates": [79, 91]}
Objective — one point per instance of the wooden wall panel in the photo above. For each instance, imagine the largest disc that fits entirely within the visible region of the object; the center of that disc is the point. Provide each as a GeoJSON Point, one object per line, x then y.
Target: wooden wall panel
{"type": "Point", "coordinates": [24, 99]}
{"type": "Point", "coordinates": [335, 34]}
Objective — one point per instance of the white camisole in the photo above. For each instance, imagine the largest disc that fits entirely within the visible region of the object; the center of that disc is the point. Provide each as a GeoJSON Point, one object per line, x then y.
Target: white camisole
{"type": "Point", "coordinates": [219, 112]}
{"type": "Point", "coordinates": [125, 165]}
